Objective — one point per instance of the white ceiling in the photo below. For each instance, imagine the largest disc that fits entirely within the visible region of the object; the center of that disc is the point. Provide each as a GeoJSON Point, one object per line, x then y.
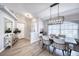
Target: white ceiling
{"type": "Point", "coordinates": [42, 10]}
{"type": "Point", "coordinates": [32, 8]}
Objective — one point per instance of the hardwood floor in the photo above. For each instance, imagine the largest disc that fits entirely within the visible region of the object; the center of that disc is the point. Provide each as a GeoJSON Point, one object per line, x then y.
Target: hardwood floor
{"type": "Point", "coordinates": [24, 48]}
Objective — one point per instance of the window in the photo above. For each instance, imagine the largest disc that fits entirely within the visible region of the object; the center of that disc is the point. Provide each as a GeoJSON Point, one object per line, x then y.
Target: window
{"type": "Point", "coordinates": [53, 29]}
{"type": "Point", "coordinates": [67, 28]}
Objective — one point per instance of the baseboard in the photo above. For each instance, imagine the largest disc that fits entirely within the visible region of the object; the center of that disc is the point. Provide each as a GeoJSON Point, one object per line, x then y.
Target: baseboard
{"type": "Point", "coordinates": [2, 50]}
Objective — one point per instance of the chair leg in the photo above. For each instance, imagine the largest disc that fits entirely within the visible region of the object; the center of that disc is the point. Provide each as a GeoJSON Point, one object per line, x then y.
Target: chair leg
{"type": "Point", "coordinates": [53, 50]}
{"type": "Point", "coordinates": [42, 45]}
{"type": "Point", "coordinates": [70, 52]}
{"type": "Point", "coordinates": [48, 48]}
{"type": "Point", "coordinates": [63, 52]}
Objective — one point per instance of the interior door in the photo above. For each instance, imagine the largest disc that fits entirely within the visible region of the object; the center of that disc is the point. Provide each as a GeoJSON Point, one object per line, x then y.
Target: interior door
{"type": "Point", "coordinates": [20, 26]}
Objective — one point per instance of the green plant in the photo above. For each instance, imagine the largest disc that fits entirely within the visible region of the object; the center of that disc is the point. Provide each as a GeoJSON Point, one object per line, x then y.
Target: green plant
{"type": "Point", "coordinates": [17, 31]}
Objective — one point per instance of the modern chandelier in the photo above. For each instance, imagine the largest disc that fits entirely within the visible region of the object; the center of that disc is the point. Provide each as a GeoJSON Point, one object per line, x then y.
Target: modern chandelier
{"type": "Point", "coordinates": [58, 19]}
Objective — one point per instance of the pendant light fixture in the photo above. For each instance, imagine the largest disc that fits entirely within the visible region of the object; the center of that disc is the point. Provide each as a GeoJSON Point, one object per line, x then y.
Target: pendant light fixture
{"type": "Point", "coordinates": [58, 19]}
{"type": "Point", "coordinates": [50, 16]}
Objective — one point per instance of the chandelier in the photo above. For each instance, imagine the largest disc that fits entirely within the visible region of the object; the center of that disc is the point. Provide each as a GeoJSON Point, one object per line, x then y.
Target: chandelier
{"type": "Point", "coordinates": [55, 20]}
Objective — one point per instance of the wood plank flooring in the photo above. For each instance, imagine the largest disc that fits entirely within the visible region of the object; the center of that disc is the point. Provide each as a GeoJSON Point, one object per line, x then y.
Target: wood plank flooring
{"type": "Point", "coordinates": [24, 48]}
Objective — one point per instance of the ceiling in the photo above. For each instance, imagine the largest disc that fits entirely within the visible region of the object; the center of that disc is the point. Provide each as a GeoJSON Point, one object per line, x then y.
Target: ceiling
{"type": "Point", "coordinates": [42, 10]}
{"type": "Point", "coordinates": [33, 8]}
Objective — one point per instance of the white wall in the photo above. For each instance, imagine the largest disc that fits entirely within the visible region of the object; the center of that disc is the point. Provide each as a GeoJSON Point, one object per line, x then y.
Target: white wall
{"type": "Point", "coordinates": [1, 32]}
{"type": "Point", "coordinates": [78, 30]}
{"type": "Point", "coordinates": [34, 30]}
{"type": "Point", "coordinates": [40, 25]}
{"type": "Point", "coordinates": [28, 29]}
{"type": "Point", "coordinates": [45, 26]}
{"type": "Point", "coordinates": [3, 15]}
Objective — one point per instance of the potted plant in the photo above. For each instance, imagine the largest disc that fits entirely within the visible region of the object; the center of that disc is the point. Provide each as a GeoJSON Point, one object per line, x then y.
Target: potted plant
{"type": "Point", "coordinates": [8, 30]}
{"type": "Point", "coordinates": [17, 31]}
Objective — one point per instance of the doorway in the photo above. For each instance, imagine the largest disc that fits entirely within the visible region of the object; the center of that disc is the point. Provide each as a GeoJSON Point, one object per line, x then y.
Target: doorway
{"type": "Point", "coordinates": [21, 27]}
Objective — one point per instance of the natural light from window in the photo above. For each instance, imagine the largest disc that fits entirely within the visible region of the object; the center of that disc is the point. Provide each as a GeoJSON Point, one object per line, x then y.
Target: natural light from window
{"type": "Point", "coordinates": [69, 29]}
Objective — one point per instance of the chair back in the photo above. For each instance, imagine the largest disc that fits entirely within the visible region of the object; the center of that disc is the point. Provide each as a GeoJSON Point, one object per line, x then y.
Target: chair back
{"type": "Point", "coordinates": [46, 40]}
{"type": "Point", "coordinates": [58, 40]}
{"type": "Point", "coordinates": [59, 43]}
{"type": "Point", "coordinates": [76, 48]}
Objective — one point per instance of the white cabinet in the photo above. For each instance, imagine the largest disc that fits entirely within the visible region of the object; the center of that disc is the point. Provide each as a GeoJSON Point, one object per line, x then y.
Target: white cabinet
{"type": "Point", "coordinates": [8, 40]}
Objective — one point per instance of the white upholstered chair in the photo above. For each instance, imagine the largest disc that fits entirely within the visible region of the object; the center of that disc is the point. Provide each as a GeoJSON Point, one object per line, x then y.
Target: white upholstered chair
{"type": "Point", "coordinates": [41, 40]}
{"type": "Point", "coordinates": [46, 42]}
{"type": "Point", "coordinates": [59, 44]}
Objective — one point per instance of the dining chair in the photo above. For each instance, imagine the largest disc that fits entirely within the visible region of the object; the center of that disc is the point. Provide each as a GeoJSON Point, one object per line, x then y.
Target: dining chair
{"type": "Point", "coordinates": [77, 40]}
{"type": "Point", "coordinates": [46, 42]}
{"type": "Point", "coordinates": [51, 38]}
{"type": "Point", "coordinates": [74, 47]}
{"type": "Point", "coordinates": [59, 44]}
{"type": "Point", "coordinates": [41, 39]}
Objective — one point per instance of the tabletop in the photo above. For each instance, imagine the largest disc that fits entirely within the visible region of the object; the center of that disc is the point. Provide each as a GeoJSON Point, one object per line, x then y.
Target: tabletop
{"type": "Point", "coordinates": [70, 40]}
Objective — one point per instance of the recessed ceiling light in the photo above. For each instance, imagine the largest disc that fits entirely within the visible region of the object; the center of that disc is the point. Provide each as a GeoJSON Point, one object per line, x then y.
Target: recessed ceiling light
{"type": "Point", "coordinates": [28, 15]}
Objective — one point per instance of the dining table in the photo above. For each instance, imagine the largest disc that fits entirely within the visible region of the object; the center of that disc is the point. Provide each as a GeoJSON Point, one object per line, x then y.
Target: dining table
{"type": "Point", "coordinates": [70, 42]}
